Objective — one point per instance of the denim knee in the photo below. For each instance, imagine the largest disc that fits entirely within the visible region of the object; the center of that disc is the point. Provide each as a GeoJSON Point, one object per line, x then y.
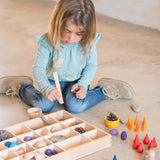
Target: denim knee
{"type": "Point", "coordinates": [76, 106]}
{"type": "Point", "coordinates": [34, 98]}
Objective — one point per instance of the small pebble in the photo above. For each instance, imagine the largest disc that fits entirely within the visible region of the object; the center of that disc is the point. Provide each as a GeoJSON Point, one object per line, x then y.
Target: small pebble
{"type": "Point", "coordinates": [48, 152]}
{"type": "Point", "coordinates": [12, 144]}
{"type": "Point", "coordinates": [113, 132]}
{"type": "Point", "coordinates": [19, 143]}
{"type": "Point", "coordinates": [124, 135]}
{"type": "Point", "coordinates": [8, 144]}
{"type": "Point", "coordinates": [28, 138]}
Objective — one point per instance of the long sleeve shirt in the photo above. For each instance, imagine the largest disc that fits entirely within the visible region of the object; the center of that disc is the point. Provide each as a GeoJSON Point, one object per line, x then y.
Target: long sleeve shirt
{"type": "Point", "coordinates": [70, 63]}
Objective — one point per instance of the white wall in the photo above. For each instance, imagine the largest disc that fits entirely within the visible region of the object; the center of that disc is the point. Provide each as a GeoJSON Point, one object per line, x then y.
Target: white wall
{"type": "Point", "coordinates": [141, 12]}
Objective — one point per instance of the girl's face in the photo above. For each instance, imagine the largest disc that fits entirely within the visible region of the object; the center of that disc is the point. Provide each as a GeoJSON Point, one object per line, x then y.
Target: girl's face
{"type": "Point", "coordinates": [72, 33]}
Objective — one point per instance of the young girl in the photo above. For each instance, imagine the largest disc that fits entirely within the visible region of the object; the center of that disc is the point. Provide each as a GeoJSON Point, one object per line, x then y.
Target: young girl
{"type": "Point", "coordinates": [69, 48]}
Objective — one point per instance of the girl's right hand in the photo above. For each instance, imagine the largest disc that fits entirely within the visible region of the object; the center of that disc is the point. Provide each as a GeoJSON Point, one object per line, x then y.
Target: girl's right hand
{"type": "Point", "coordinates": [54, 95]}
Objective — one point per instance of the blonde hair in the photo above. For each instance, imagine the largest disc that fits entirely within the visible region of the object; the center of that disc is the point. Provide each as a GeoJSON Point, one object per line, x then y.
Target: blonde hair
{"type": "Point", "coordinates": [81, 12]}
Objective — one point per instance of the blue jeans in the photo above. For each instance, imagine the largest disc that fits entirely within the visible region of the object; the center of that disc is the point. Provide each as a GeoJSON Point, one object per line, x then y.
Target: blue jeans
{"type": "Point", "coordinates": [34, 98]}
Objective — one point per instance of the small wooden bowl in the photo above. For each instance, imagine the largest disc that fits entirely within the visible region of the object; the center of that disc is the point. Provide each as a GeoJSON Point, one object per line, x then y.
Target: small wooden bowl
{"type": "Point", "coordinates": [34, 112]}
{"type": "Point", "coordinates": [111, 124]}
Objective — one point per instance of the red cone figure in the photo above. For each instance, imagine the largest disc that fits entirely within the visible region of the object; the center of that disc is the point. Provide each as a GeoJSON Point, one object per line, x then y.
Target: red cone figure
{"type": "Point", "coordinates": [136, 138]}
{"type": "Point", "coordinates": [136, 142]}
{"type": "Point", "coordinates": [146, 139]}
{"type": "Point", "coordinates": [154, 143]}
{"type": "Point", "coordinates": [140, 148]}
{"type": "Point", "coordinates": [151, 145]}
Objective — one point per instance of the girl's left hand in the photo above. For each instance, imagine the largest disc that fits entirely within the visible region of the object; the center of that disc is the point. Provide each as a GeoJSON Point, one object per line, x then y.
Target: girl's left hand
{"type": "Point", "coordinates": [80, 91]}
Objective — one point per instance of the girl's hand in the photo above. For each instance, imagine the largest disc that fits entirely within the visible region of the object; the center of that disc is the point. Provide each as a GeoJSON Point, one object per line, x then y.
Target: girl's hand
{"type": "Point", "coordinates": [54, 95]}
{"type": "Point", "coordinates": [80, 91]}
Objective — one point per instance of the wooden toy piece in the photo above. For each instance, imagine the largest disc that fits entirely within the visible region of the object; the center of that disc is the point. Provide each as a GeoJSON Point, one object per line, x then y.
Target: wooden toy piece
{"type": "Point", "coordinates": [144, 120]}
{"type": "Point", "coordinates": [58, 86]}
{"type": "Point", "coordinates": [151, 145]}
{"type": "Point", "coordinates": [137, 127]}
{"type": "Point", "coordinates": [129, 121]}
{"type": "Point", "coordinates": [136, 142]}
{"type": "Point", "coordinates": [154, 143]}
{"type": "Point", "coordinates": [114, 158]}
{"type": "Point", "coordinates": [132, 126]}
{"type": "Point", "coordinates": [144, 126]}
{"type": "Point", "coordinates": [136, 120]}
{"type": "Point", "coordinates": [146, 139]}
{"type": "Point", "coordinates": [140, 148]}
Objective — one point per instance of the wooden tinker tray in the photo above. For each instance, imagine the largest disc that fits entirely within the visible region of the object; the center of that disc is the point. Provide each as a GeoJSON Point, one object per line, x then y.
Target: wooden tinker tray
{"type": "Point", "coordinates": [75, 146]}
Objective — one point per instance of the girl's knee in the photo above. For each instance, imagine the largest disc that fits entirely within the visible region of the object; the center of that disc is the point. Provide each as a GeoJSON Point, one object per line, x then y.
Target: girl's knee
{"type": "Point", "coordinates": [75, 107]}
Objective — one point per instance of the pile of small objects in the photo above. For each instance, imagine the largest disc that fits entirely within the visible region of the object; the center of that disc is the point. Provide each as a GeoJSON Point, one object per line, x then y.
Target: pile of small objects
{"type": "Point", "coordinates": [80, 130]}
{"type": "Point", "coordinates": [3, 135]}
{"type": "Point", "coordinates": [50, 152]}
{"type": "Point", "coordinates": [112, 117]}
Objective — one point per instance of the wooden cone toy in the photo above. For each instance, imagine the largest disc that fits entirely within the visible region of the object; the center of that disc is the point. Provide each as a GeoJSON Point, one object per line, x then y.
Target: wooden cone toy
{"type": "Point", "coordinates": [114, 158]}
{"type": "Point", "coordinates": [154, 143]}
{"type": "Point", "coordinates": [151, 145]}
{"type": "Point", "coordinates": [137, 127]}
{"type": "Point", "coordinates": [136, 142]}
{"type": "Point", "coordinates": [132, 126]}
{"type": "Point", "coordinates": [144, 120]}
{"type": "Point", "coordinates": [144, 127]}
{"type": "Point", "coordinates": [136, 120]}
{"type": "Point", "coordinates": [129, 121]}
{"type": "Point", "coordinates": [140, 148]}
{"type": "Point", "coordinates": [146, 139]}
{"type": "Point", "coordinates": [136, 138]}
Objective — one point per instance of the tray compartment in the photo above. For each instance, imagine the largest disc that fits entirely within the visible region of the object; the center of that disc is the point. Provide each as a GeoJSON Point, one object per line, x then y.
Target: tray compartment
{"type": "Point", "coordinates": [72, 122]}
{"type": "Point", "coordinates": [30, 134]}
{"type": "Point", "coordinates": [66, 132]}
{"type": "Point", "coordinates": [52, 147]}
{"type": "Point", "coordinates": [86, 126]}
{"type": "Point", "coordinates": [8, 154]}
{"type": "Point", "coordinates": [14, 139]}
{"type": "Point", "coordinates": [39, 142]}
{"type": "Point", "coordinates": [19, 129]}
{"type": "Point", "coordinates": [50, 129]}
{"type": "Point", "coordinates": [38, 123]}
{"type": "Point", "coordinates": [95, 134]}
{"type": "Point", "coordinates": [2, 147]}
{"type": "Point", "coordinates": [22, 149]}
{"type": "Point", "coordinates": [61, 115]}
{"type": "Point", "coordinates": [73, 142]}
{"type": "Point", "coordinates": [9, 135]}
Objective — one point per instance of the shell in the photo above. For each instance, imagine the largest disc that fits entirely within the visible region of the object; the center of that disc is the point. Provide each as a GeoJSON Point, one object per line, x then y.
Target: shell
{"type": "Point", "coordinates": [58, 138]}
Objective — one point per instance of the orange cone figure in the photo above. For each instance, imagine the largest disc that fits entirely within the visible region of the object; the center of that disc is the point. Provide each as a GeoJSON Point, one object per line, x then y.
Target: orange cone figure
{"type": "Point", "coordinates": [144, 126]}
{"type": "Point", "coordinates": [132, 126]}
{"type": "Point", "coordinates": [137, 127]}
{"type": "Point", "coordinates": [129, 121]}
{"type": "Point", "coordinates": [144, 120]}
{"type": "Point", "coordinates": [136, 120]}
